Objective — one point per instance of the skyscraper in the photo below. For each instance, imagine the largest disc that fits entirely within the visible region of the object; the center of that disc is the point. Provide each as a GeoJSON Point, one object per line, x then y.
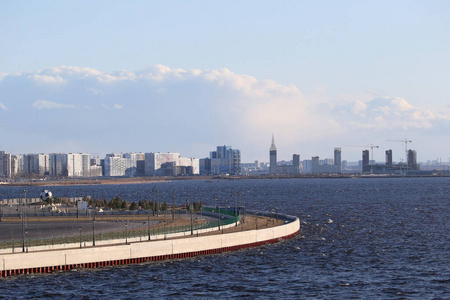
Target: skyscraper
{"type": "Point", "coordinates": [338, 159]}
{"type": "Point", "coordinates": [296, 160]}
{"type": "Point", "coordinates": [365, 161]}
{"type": "Point", "coordinates": [273, 157]}
{"type": "Point", "coordinates": [412, 160]}
{"type": "Point", "coordinates": [389, 157]}
{"type": "Point", "coordinates": [225, 160]}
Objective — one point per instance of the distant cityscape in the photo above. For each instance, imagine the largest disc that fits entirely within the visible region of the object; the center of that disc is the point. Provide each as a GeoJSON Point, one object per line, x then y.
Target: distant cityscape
{"type": "Point", "coordinates": [223, 161]}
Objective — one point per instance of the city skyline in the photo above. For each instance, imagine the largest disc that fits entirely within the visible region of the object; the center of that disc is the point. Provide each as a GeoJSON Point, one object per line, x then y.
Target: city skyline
{"type": "Point", "coordinates": [107, 76]}
{"type": "Point", "coordinates": [335, 155]}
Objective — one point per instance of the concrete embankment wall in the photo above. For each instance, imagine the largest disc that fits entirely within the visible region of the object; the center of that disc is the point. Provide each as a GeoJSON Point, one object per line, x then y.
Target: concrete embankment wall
{"type": "Point", "coordinates": [92, 257]}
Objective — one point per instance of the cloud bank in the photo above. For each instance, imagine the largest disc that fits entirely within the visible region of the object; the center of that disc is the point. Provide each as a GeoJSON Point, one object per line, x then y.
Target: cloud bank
{"type": "Point", "coordinates": [45, 104]}
{"type": "Point", "coordinates": [192, 111]}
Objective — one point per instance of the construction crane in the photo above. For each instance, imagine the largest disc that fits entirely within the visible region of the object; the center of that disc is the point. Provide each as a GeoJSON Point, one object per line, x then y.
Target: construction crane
{"type": "Point", "coordinates": [406, 141]}
{"type": "Point", "coordinates": [371, 146]}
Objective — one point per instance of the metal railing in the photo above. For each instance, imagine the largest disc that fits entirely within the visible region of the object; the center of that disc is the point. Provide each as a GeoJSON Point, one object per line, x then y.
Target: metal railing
{"type": "Point", "coordinates": [226, 216]}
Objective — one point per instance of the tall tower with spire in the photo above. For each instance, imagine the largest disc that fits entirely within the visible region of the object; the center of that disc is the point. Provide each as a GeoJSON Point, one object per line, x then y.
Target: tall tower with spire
{"type": "Point", "coordinates": [273, 157]}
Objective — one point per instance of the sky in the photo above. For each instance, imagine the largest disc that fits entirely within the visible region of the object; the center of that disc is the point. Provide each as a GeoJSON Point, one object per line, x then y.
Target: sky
{"type": "Point", "coordinates": [187, 76]}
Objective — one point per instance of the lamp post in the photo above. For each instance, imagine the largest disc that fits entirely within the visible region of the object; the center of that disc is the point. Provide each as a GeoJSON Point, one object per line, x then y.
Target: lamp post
{"type": "Point", "coordinates": [79, 229]}
{"type": "Point", "coordinates": [218, 210]}
{"type": "Point", "coordinates": [256, 219]}
{"type": "Point", "coordinates": [126, 233]}
{"type": "Point", "coordinates": [93, 232]}
{"type": "Point", "coordinates": [196, 224]}
{"type": "Point", "coordinates": [192, 225]}
{"type": "Point", "coordinates": [165, 229]}
{"type": "Point", "coordinates": [26, 238]}
{"type": "Point", "coordinates": [148, 225]}
{"type": "Point", "coordinates": [235, 208]}
{"type": "Point", "coordinates": [23, 222]}
{"type": "Point", "coordinates": [157, 203]}
{"type": "Point", "coordinates": [76, 203]}
{"type": "Point", "coordinates": [244, 209]}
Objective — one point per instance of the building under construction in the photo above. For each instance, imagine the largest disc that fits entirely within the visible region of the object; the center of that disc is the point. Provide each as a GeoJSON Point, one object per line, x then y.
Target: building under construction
{"type": "Point", "coordinates": [389, 167]}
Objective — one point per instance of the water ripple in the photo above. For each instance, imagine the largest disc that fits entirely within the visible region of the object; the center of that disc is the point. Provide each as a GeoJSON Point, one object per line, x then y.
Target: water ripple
{"type": "Point", "coordinates": [360, 238]}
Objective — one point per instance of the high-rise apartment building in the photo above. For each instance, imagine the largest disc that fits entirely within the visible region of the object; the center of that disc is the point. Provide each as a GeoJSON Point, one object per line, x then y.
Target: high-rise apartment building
{"type": "Point", "coordinates": [389, 157]}
{"type": "Point", "coordinates": [365, 161]}
{"type": "Point", "coordinates": [6, 164]}
{"type": "Point", "coordinates": [170, 164]}
{"type": "Point", "coordinates": [205, 166]}
{"type": "Point", "coordinates": [338, 159]}
{"type": "Point", "coordinates": [412, 160]}
{"type": "Point", "coordinates": [40, 164]}
{"type": "Point", "coordinates": [116, 166]}
{"type": "Point", "coordinates": [123, 164]}
{"type": "Point", "coordinates": [225, 160]}
{"type": "Point", "coordinates": [78, 164]}
{"type": "Point", "coordinates": [58, 164]}
{"type": "Point", "coordinates": [288, 168]}
{"type": "Point", "coordinates": [69, 165]}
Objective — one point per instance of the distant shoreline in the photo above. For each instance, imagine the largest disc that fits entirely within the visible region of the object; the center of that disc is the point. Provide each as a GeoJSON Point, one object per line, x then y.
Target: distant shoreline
{"type": "Point", "coordinates": [141, 180]}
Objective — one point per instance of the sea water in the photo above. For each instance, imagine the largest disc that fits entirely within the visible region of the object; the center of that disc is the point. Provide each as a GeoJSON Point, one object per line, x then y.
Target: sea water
{"type": "Point", "coordinates": [376, 238]}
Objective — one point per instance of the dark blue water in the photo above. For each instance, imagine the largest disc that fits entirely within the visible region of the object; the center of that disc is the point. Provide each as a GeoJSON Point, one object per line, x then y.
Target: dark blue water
{"type": "Point", "coordinates": [360, 238]}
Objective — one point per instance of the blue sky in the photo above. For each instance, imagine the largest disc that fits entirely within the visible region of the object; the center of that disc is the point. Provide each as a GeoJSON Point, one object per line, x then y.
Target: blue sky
{"type": "Point", "coordinates": [185, 76]}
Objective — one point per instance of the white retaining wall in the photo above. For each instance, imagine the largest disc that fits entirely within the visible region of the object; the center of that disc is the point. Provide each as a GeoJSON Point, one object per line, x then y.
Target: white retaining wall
{"type": "Point", "coordinates": [61, 257]}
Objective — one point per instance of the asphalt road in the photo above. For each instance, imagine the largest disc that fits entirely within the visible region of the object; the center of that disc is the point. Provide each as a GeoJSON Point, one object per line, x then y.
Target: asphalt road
{"type": "Point", "coordinates": [48, 229]}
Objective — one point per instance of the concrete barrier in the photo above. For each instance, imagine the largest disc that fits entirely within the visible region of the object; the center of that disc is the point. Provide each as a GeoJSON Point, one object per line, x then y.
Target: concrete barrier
{"type": "Point", "coordinates": [141, 251]}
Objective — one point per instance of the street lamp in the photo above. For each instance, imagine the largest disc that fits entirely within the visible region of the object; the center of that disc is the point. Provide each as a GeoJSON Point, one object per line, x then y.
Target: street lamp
{"type": "Point", "coordinates": [76, 202]}
{"type": "Point", "coordinates": [192, 225]}
{"type": "Point", "coordinates": [126, 233]}
{"type": "Point", "coordinates": [148, 225]}
{"type": "Point", "coordinates": [26, 237]}
{"type": "Point", "coordinates": [23, 223]}
{"type": "Point", "coordinates": [218, 210]}
{"type": "Point", "coordinates": [196, 223]}
{"type": "Point", "coordinates": [93, 232]}
{"type": "Point", "coordinates": [165, 229]}
{"type": "Point", "coordinates": [235, 208]}
{"type": "Point", "coordinates": [79, 229]}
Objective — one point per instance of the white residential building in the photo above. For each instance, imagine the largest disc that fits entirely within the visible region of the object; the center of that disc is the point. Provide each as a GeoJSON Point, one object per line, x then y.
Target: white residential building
{"type": "Point", "coordinates": [58, 164]}
{"type": "Point", "coordinates": [125, 164]}
{"type": "Point", "coordinates": [78, 165]}
{"type": "Point", "coordinates": [161, 164]}
{"type": "Point", "coordinates": [5, 164]}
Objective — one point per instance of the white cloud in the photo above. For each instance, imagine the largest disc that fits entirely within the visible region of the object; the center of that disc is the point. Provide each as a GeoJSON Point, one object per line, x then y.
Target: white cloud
{"type": "Point", "coordinates": [207, 107]}
{"type": "Point", "coordinates": [95, 91]}
{"type": "Point", "coordinates": [45, 104]}
{"type": "Point", "coordinates": [383, 113]}
{"type": "Point", "coordinates": [46, 79]}
{"type": "Point", "coordinates": [359, 107]}
{"type": "Point", "coordinates": [114, 106]}
{"type": "Point", "coordinates": [402, 104]}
